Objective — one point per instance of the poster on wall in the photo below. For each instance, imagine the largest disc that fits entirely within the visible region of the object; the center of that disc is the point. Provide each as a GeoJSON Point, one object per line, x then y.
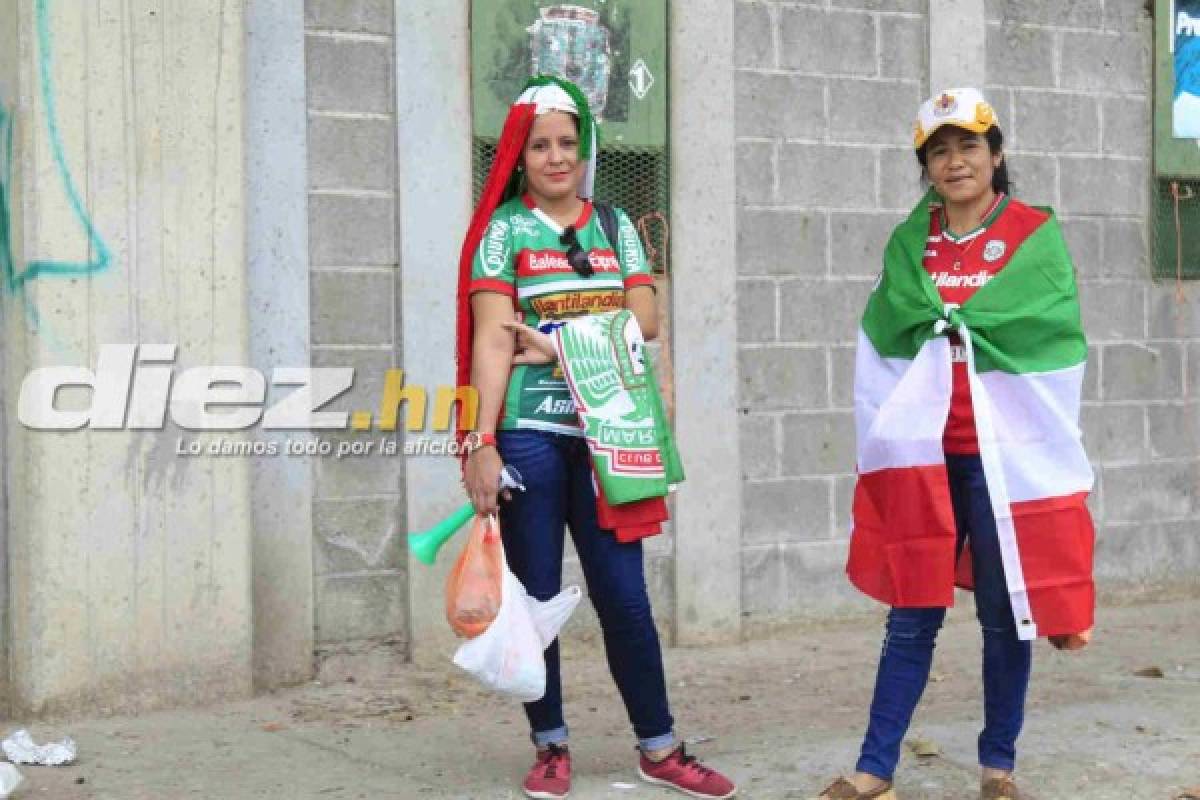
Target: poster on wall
{"type": "Point", "coordinates": [1185, 47]}
{"type": "Point", "coordinates": [585, 45]}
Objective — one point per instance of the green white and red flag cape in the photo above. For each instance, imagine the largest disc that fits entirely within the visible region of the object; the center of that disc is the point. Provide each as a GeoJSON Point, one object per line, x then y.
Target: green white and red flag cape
{"type": "Point", "coordinates": [1026, 354]}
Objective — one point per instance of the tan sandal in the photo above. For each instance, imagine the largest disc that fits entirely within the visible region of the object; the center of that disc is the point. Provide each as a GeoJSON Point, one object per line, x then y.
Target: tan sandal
{"type": "Point", "coordinates": [999, 789]}
{"type": "Point", "coordinates": [842, 789]}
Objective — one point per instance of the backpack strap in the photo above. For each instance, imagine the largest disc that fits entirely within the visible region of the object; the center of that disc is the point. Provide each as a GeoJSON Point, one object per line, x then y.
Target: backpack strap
{"type": "Point", "coordinates": [607, 215]}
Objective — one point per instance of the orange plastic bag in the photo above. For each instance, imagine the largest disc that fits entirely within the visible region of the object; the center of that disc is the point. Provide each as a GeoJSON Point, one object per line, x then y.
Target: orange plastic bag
{"type": "Point", "coordinates": [473, 588]}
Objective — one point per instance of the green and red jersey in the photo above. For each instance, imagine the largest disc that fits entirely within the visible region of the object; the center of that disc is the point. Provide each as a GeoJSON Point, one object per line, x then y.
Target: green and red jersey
{"type": "Point", "coordinates": [521, 255]}
{"type": "Point", "coordinates": [961, 265]}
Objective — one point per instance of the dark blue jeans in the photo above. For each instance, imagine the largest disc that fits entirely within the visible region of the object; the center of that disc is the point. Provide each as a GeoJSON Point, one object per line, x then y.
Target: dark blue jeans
{"type": "Point", "coordinates": [558, 491]}
{"type": "Point", "coordinates": [911, 632]}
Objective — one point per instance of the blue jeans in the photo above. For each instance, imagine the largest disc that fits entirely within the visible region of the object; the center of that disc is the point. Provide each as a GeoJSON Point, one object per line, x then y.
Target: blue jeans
{"type": "Point", "coordinates": [558, 491]}
{"type": "Point", "coordinates": [911, 632]}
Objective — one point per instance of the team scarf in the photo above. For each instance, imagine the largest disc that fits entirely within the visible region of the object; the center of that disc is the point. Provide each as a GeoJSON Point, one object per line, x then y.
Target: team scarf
{"type": "Point", "coordinates": [616, 396]}
{"type": "Point", "coordinates": [1026, 354]}
{"type": "Point", "coordinates": [541, 95]}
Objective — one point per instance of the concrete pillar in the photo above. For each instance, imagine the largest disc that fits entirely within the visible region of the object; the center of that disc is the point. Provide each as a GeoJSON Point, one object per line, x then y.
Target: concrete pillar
{"type": "Point", "coordinates": [9, 90]}
{"type": "Point", "coordinates": [277, 261]}
{"type": "Point", "coordinates": [957, 44]}
{"type": "Point", "coordinates": [704, 324]}
{"type": "Point", "coordinates": [434, 165]}
{"type": "Point", "coordinates": [128, 564]}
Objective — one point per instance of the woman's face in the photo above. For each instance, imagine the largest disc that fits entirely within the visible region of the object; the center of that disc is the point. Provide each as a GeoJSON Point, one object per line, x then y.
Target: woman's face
{"type": "Point", "coordinates": [960, 164]}
{"type": "Point", "coordinates": [551, 157]}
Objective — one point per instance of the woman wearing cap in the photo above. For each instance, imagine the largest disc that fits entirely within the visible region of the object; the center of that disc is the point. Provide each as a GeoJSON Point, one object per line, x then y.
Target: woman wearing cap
{"type": "Point", "coordinates": [535, 246]}
{"type": "Point", "coordinates": [969, 367]}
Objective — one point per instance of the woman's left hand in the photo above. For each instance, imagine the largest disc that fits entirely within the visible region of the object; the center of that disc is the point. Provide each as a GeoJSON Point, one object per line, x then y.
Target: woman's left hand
{"type": "Point", "coordinates": [533, 346]}
{"type": "Point", "coordinates": [1072, 641]}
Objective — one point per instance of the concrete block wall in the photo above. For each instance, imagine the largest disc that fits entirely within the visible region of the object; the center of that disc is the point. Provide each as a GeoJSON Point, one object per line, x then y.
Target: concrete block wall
{"type": "Point", "coordinates": [825, 93]}
{"type": "Point", "coordinates": [360, 566]}
{"type": "Point", "coordinates": [1073, 81]}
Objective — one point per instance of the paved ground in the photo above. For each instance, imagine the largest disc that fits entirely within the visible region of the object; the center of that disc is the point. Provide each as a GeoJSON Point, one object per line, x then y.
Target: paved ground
{"type": "Point", "coordinates": [781, 716]}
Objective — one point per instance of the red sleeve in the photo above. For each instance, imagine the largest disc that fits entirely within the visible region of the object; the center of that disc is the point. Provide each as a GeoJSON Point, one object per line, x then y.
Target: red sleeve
{"type": "Point", "coordinates": [491, 285]}
{"type": "Point", "coordinates": [639, 279]}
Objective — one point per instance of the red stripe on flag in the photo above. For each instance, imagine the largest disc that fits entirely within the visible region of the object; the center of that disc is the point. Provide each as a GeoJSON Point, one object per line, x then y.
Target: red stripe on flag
{"type": "Point", "coordinates": [909, 561]}
{"type": "Point", "coordinates": [1056, 539]}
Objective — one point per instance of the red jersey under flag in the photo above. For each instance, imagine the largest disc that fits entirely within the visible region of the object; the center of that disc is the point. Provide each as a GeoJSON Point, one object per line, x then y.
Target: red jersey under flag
{"type": "Point", "coordinates": [959, 266]}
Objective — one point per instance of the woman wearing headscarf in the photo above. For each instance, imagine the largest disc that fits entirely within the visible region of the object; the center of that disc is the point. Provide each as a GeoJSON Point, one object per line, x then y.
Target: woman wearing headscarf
{"type": "Point", "coordinates": [536, 247]}
{"type": "Point", "coordinates": [967, 384]}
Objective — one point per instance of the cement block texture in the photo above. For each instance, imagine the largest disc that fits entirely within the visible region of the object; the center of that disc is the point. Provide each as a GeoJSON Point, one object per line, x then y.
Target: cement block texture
{"type": "Point", "coordinates": [1019, 55]}
{"type": "Point", "coordinates": [781, 242]}
{"type": "Point", "coordinates": [348, 231]}
{"type": "Point", "coordinates": [791, 510]}
{"type": "Point", "coordinates": [818, 41]}
{"type": "Point", "coordinates": [351, 153]}
{"type": "Point", "coordinates": [754, 35]}
{"type": "Point", "coordinates": [833, 176]}
{"type": "Point", "coordinates": [349, 75]}
{"type": "Point", "coordinates": [352, 308]}
{"type": "Point", "coordinates": [353, 607]}
{"type": "Point", "coordinates": [773, 105]}
{"type": "Point", "coordinates": [782, 377]}
{"type": "Point", "coordinates": [353, 16]}
{"type": "Point", "coordinates": [359, 559]}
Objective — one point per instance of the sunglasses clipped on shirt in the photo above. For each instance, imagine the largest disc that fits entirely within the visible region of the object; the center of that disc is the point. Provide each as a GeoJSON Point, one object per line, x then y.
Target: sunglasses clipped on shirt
{"type": "Point", "coordinates": [576, 257]}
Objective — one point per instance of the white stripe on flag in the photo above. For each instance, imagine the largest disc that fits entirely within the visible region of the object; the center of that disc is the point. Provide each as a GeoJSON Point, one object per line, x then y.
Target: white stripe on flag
{"type": "Point", "coordinates": [1035, 417]}
{"type": "Point", "coordinates": [997, 484]}
{"type": "Point", "coordinates": [900, 406]}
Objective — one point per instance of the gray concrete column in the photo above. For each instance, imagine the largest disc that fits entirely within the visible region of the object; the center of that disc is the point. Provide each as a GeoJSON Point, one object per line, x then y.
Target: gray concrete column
{"type": "Point", "coordinates": [128, 565]}
{"type": "Point", "coordinates": [957, 44]}
{"type": "Point", "coordinates": [704, 323]}
{"type": "Point", "coordinates": [9, 92]}
{"type": "Point", "coordinates": [277, 260]}
{"type": "Point", "coordinates": [433, 105]}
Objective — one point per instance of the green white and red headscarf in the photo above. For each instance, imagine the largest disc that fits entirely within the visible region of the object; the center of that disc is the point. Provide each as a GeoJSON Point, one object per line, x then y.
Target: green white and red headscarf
{"type": "Point", "coordinates": [541, 95]}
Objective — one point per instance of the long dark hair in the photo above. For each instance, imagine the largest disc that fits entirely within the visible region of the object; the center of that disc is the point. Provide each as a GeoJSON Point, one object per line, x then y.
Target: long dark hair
{"type": "Point", "coordinates": [995, 141]}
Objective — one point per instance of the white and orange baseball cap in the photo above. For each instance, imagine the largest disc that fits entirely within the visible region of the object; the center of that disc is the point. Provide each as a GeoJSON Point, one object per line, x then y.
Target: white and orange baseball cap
{"type": "Point", "coordinates": [962, 108]}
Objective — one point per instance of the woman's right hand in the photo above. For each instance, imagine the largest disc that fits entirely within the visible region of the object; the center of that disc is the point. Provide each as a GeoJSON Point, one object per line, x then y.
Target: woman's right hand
{"type": "Point", "coordinates": [482, 479]}
{"type": "Point", "coordinates": [532, 346]}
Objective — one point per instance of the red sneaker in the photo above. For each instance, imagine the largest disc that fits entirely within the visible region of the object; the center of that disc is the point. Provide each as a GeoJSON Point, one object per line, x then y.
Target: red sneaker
{"type": "Point", "coordinates": [550, 776]}
{"type": "Point", "coordinates": [683, 772]}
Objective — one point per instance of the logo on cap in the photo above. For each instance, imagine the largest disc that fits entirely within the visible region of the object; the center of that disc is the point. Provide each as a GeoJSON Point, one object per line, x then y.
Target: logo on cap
{"type": "Point", "coordinates": [945, 105]}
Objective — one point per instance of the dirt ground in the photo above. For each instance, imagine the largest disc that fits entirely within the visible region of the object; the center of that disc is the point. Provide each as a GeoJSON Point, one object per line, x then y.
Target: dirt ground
{"type": "Point", "coordinates": [780, 715]}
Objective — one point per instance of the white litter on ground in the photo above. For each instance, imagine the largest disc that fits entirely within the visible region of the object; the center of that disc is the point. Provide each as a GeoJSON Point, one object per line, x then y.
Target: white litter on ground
{"type": "Point", "coordinates": [21, 749]}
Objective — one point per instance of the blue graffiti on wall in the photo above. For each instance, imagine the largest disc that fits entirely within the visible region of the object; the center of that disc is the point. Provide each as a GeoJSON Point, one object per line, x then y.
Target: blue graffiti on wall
{"type": "Point", "coordinates": [16, 276]}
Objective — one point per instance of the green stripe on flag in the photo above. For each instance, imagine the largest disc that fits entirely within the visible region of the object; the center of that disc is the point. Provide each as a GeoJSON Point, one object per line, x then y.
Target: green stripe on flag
{"type": "Point", "coordinates": [1026, 319]}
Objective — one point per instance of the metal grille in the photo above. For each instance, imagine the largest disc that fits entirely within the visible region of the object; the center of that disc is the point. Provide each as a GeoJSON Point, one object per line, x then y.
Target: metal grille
{"type": "Point", "coordinates": [1175, 232]}
{"type": "Point", "coordinates": [632, 178]}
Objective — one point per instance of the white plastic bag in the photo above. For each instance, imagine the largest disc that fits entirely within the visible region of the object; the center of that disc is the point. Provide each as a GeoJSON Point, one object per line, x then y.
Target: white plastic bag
{"type": "Point", "coordinates": [509, 655]}
{"type": "Point", "coordinates": [10, 779]}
